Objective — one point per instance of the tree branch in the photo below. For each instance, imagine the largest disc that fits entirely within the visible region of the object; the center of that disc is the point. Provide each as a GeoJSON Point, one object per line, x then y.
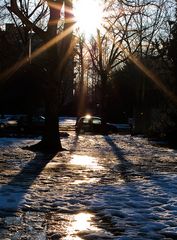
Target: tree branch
{"type": "Point", "coordinates": [13, 8]}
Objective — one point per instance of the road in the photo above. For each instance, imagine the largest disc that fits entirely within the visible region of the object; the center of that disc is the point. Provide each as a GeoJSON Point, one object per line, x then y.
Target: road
{"type": "Point", "coordinates": [101, 187]}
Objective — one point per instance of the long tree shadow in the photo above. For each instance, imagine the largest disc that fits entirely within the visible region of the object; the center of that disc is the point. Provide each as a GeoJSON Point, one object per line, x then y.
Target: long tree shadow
{"type": "Point", "coordinates": [130, 171]}
{"type": "Point", "coordinates": [125, 167]}
{"type": "Point", "coordinates": [12, 193]}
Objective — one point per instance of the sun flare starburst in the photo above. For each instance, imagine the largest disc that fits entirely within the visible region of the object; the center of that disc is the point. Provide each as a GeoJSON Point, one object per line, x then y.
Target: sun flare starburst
{"type": "Point", "coordinates": [88, 15]}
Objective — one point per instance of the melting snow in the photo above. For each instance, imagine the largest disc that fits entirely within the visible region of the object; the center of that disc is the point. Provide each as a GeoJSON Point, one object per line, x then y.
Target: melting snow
{"type": "Point", "coordinates": [103, 187]}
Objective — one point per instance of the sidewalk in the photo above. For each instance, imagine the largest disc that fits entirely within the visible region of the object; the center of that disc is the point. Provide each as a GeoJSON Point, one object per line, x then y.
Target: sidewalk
{"type": "Point", "coordinates": [113, 187]}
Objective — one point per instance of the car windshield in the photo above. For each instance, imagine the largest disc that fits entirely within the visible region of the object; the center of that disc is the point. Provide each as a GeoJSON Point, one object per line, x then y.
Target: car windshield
{"type": "Point", "coordinates": [86, 120]}
{"type": "Point", "coordinates": [96, 121]}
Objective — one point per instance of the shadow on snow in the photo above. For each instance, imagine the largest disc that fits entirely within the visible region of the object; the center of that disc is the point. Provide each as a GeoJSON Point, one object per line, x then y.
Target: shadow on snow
{"type": "Point", "coordinates": [12, 194]}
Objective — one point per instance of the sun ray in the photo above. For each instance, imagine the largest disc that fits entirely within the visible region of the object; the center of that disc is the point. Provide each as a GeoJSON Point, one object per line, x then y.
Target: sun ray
{"type": "Point", "coordinates": [151, 75]}
{"type": "Point", "coordinates": [10, 71]}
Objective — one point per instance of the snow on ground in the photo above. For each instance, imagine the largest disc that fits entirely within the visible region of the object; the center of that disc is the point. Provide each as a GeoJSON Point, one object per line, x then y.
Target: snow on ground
{"type": "Point", "coordinates": [102, 187]}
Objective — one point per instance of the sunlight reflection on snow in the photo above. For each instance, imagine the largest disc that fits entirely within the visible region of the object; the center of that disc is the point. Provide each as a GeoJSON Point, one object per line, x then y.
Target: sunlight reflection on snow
{"type": "Point", "coordinates": [85, 161]}
{"type": "Point", "coordinates": [81, 222]}
{"type": "Point", "coordinates": [85, 181]}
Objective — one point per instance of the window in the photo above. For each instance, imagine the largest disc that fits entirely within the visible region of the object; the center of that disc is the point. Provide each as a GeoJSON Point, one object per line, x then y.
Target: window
{"type": "Point", "coordinates": [96, 121]}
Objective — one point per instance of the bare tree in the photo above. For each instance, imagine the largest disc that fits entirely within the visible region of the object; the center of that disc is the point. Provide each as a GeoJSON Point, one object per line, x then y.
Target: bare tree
{"type": "Point", "coordinates": [57, 44]}
{"type": "Point", "coordinates": [81, 70]}
{"type": "Point", "coordinates": [130, 30]}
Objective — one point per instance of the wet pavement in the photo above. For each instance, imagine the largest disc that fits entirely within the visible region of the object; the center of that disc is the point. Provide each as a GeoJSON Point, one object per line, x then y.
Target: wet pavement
{"type": "Point", "coordinates": [102, 187]}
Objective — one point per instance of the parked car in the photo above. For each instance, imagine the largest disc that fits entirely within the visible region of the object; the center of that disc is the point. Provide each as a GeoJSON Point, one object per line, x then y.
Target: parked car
{"type": "Point", "coordinates": [31, 124]}
{"type": "Point", "coordinates": [9, 124]}
{"type": "Point", "coordinates": [94, 125]}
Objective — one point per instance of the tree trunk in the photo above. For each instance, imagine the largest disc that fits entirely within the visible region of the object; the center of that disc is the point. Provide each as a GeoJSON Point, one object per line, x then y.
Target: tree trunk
{"type": "Point", "coordinates": [103, 104]}
{"type": "Point", "coordinates": [56, 63]}
{"type": "Point", "coordinates": [51, 136]}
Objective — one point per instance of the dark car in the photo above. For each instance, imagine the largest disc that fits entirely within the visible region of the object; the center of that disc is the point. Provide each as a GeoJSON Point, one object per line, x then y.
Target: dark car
{"type": "Point", "coordinates": [9, 124]}
{"type": "Point", "coordinates": [94, 125]}
{"type": "Point", "coordinates": [31, 124]}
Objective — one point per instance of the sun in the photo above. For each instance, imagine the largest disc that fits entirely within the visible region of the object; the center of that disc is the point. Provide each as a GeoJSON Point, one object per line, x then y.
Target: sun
{"type": "Point", "coordinates": [88, 16]}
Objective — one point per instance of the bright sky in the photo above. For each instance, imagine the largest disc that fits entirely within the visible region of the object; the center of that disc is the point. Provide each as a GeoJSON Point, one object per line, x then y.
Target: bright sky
{"type": "Point", "coordinates": [88, 15]}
